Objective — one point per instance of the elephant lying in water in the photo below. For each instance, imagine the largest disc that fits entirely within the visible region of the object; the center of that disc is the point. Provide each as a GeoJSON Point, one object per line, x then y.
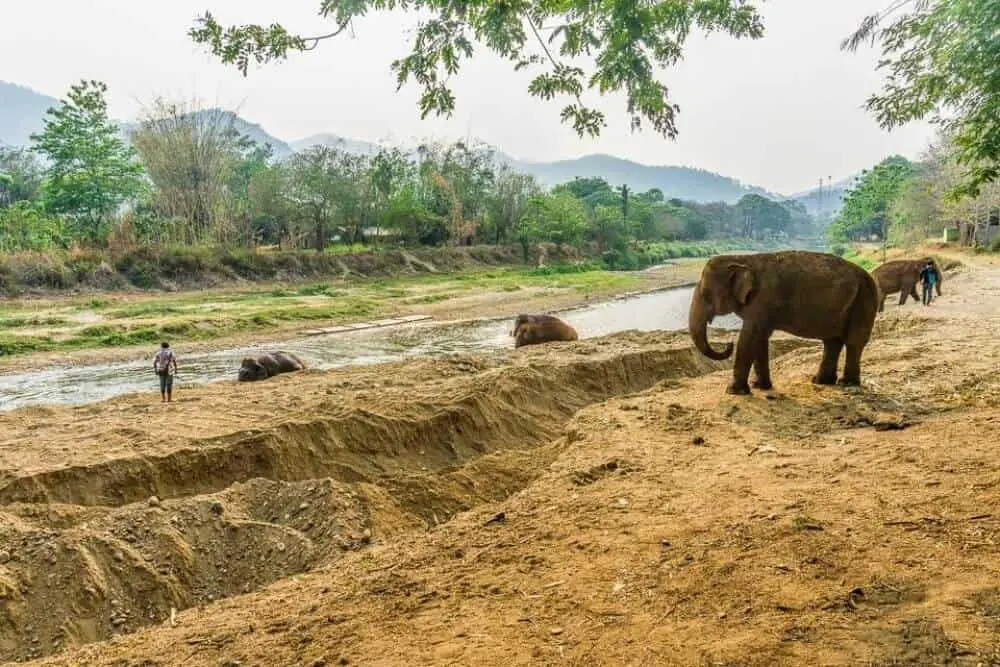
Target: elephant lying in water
{"type": "Point", "coordinates": [536, 329]}
{"type": "Point", "coordinates": [807, 294]}
{"type": "Point", "coordinates": [902, 275]}
{"type": "Point", "coordinates": [268, 365]}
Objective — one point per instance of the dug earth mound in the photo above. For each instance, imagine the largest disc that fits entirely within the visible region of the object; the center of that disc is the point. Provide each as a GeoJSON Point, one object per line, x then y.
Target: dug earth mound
{"type": "Point", "coordinates": [600, 502]}
{"type": "Point", "coordinates": [114, 514]}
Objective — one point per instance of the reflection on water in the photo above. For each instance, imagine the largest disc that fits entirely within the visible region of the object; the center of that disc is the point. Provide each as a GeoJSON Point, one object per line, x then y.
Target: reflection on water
{"type": "Point", "coordinates": [666, 310]}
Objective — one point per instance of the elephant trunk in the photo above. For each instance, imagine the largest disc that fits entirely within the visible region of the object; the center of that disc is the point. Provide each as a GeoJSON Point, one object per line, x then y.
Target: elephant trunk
{"type": "Point", "coordinates": [698, 318]}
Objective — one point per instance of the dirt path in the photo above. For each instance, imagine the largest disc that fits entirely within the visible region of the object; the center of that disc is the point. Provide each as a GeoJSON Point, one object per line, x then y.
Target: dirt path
{"type": "Point", "coordinates": [599, 503]}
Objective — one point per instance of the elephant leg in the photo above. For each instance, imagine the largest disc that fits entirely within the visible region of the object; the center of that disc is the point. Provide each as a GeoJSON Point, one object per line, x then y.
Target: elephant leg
{"type": "Point", "coordinates": [913, 292]}
{"type": "Point", "coordinates": [746, 351]}
{"type": "Point", "coordinates": [852, 365]}
{"type": "Point", "coordinates": [903, 293]}
{"type": "Point", "coordinates": [881, 304]}
{"type": "Point", "coordinates": [761, 367]}
{"type": "Point", "coordinates": [828, 366]}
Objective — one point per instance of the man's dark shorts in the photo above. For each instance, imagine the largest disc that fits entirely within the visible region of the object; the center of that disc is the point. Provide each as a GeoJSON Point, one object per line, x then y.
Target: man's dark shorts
{"type": "Point", "coordinates": [166, 382]}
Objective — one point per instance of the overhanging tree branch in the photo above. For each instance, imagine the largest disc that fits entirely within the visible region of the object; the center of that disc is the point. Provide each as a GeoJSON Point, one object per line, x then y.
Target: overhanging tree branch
{"type": "Point", "coordinates": [629, 41]}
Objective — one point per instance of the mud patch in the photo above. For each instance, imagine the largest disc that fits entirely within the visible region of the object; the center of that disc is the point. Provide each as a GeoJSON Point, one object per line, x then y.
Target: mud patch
{"type": "Point", "coordinates": [987, 602]}
{"type": "Point", "coordinates": [888, 592]}
{"type": "Point", "coordinates": [922, 642]}
{"type": "Point", "coordinates": [596, 473]}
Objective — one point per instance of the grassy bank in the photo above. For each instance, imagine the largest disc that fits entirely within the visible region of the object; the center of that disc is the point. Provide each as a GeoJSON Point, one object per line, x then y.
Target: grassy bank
{"type": "Point", "coordinates": [186, 268]}
{"type": "Point", "coordinates": [80, 322]}
{"type": "Point", "coordinates": [211, 295]}
{"type": "Point", "coordinates": [183, 268]}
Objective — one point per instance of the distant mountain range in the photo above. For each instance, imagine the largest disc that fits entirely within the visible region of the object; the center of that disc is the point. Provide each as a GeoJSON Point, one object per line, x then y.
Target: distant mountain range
{"type": "Point", "coordinates": [22, 110]}
{"type": "Point", "coordinates": [825, 203]}
{"type": "Point", "coordinates": [681, 182]}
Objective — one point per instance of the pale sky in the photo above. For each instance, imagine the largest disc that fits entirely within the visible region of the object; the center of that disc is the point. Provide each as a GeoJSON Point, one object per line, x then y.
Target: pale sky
{"type": "Point", "coordinates": [779, 112]}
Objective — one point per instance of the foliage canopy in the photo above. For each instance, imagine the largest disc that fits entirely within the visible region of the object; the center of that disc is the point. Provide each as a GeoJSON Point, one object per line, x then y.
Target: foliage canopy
{"type": "Point", "coordinates": [942, 59]}
{"type": "Point", "coordinates": [578, 46]}
{"type": "Point", "coordinates": [91, 171]}
{"type": "Point", "coordinates": [866, 207]}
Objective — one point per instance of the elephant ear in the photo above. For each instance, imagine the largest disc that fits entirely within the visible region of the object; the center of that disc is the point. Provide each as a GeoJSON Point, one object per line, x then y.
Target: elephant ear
{"type": "Point", "coordinates": [742, 282]}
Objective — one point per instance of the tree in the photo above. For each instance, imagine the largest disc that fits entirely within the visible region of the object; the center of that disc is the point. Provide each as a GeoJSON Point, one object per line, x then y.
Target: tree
{"type": "Point", "coordinates": [764, 217]}
{"type": "Point", "coordinates": [409, 216]}
{"type": "Point", "coordinates": [608, 229]}
{"type": "Point", "coordinates": [26, 226]}
{"type": "Point", "coordinates": [865, 211]}
{"type": "Point", "coordinates": [20, 176]}
{"type": "Point", "coordinates": [390, 173]}
{"type": "Point", "coordinates": [353, 190]}
{"type": "Point", "coordinates": [314, 190]}
{"type": "Point", "coordinates": [91, 171]}
{"type": "Point", "coordinates": [201, 167]}
{"type": "Point", "coordinates": [254, 160]}
{"type": "Point", "coordinates": [625, 192]}
{"type": "Point", "coordinates": [800, 221]}
{"type": "Point", "coordinates": [941, 58]}
{"type": "Point", "coordinates": [270, 211]}
{"type": "Point", "coordinates": [558, 218]}
{"type": "Point", "coordinates": [620, 44]}
{"type": "Point", "coordinates": [508, 202]}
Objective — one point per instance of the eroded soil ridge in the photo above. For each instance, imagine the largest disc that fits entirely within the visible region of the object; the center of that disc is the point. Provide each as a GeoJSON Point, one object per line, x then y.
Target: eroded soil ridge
{"type": "Point", "coordinates": [113, 543]}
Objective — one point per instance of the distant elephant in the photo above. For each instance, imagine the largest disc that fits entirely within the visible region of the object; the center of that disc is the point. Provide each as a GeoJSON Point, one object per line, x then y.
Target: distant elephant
{"type": "Point", "coordinates": [536, 329]}
{"type": "Point", "coordinates": [807, 294]}
{"type": "Point", "coordinates": [903, 275]}
{"type": "Point", "coordinates": [268, 365]}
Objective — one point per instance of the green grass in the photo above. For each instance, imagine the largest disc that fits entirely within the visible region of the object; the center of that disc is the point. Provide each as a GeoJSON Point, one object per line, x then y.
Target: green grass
{"type": "Point", "coordinates": [342, 249]}
{"type": "Point", "coordinates": [31, 321]}
{"type": "Point", "coordinates": [10, 345]}
{"type": "Point", "coordinates": [149, 309]}
{"type": "Point", "coordinates": [193, 316]}
{"type": "Point", "coordinates": [865, 263]}
{"type": "Point", "coordinates": [319, 289]}
{"type": "Point", "coordinates": [431, 298]}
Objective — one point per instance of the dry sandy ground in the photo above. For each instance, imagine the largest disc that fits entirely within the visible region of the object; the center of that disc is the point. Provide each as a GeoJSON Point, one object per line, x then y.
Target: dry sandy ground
{"type": "Point", "coordinates": [595, 503]}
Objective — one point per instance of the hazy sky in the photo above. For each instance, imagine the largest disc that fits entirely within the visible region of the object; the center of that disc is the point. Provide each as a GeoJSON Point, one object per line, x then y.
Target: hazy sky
{"type": "Point", "coordinates": [779, 112]}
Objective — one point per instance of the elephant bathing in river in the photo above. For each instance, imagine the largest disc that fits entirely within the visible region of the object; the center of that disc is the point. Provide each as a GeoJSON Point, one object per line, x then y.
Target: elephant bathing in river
{"type": "Point", "coordinates": [268, 365]}
{"type": "Point", "coordinates": [807, 294]}
{"type": "Point", "coordinates": [535, 329]}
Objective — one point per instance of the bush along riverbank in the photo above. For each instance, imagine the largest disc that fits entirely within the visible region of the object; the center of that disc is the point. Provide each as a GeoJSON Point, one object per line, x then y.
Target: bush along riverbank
{"type": "Point", "coordinates": [187, 268]}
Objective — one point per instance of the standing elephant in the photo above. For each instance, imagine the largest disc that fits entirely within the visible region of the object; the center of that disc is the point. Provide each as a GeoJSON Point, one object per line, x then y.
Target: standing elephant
{"type": "Point", "coordinates": [807, 294]}
{"type": "Point", "coordinates": [902, 275]}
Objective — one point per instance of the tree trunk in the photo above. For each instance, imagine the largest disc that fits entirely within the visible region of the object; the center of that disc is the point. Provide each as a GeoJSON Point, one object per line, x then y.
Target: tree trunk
{"type": "Point", "coordinates": [320, 234]}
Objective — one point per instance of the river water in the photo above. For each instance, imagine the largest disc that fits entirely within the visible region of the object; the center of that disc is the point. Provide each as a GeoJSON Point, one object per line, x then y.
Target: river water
{"type": "Point", "coordinates": [663, 310]}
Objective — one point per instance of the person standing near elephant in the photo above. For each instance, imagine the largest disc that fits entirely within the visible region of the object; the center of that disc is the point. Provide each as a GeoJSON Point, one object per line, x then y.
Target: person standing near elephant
{"type": "Point", "coordinates": [929, 278]}
{"type": "Point", "coordinates": [165, 367]}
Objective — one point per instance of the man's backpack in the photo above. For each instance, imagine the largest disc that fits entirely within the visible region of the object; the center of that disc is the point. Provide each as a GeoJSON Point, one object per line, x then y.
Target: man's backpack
{"type": "Point", "coordinates": [163, 360]}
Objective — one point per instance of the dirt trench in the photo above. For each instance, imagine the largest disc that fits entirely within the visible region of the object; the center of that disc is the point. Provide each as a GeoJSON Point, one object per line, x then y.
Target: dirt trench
{"type": "Point", "coordinates": [106, 546]}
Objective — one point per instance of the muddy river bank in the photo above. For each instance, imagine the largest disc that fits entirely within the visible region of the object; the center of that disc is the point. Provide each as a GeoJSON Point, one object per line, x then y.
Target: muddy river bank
{"type": "Point", "coordinates": [71, 385]}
